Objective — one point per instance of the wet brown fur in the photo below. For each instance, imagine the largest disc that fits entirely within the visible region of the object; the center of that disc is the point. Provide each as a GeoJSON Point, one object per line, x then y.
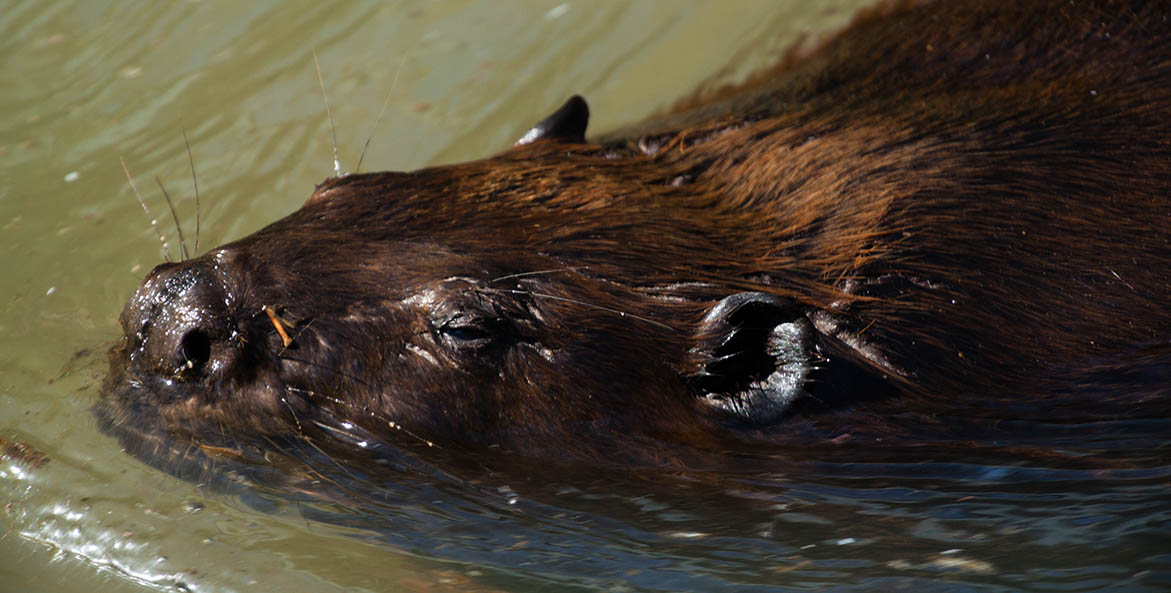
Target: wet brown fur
{"type": "Point", "coordinates": [974, 196]}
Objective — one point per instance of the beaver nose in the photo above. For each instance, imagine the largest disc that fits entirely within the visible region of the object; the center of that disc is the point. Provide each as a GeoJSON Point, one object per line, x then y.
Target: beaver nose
{"type": "Point", "coordinates": [180, 322]}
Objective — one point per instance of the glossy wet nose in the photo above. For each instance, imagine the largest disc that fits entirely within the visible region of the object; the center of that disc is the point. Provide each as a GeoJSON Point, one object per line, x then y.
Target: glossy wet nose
{"type": "Point", "coordinates": [181, 323]}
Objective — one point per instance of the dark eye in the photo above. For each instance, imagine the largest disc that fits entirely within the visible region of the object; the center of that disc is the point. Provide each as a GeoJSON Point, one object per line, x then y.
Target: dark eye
{"type": "Point", "coordinates": [466, 333]}
{"type": "Point", "coordinates": [469, 332]}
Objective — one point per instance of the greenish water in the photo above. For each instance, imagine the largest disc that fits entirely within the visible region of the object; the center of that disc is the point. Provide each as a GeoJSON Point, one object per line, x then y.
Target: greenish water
{"type": "Point", "coordinates": [88, 84]}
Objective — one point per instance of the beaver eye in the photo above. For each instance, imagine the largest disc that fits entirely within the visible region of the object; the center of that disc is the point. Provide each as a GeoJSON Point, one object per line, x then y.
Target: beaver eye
{"type": "Point", "coordinates": [465, 331]}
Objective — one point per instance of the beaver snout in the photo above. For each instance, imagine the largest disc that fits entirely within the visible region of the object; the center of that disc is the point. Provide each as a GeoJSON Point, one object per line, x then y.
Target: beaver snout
{"type": "Point", "coordinates": [180, 323]}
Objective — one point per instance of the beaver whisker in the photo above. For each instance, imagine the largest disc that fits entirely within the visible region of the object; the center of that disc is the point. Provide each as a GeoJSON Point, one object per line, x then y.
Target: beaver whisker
{"type": "Point", "coordinates": [1115, 274]}
{"type": "Point", "coordinates": [334, 430]}
{"type": "Point", "coordinates": [337, 165]}
{"type": "Point", "coordinates": [293, 413]}
{"type": "Point", "coordinates": [399, 427]}
{"type": "Point", "coordinates": [195, 182]}
{"type": "Point", "coordinates": [326, 368]}
{"type": "Point", "coordinates": [378, 120]}
{"type": "Point", "coordinates": [319, 475]}
{"type": "Point", "coordinates": [296, 337]}
{"type": "Point", "coordinates": [310, 471]}
{"type": "Point", "coordinates": [352, 407]}
{"type": "Point", "coordinates": [153, 221]}
{"type": "Point", "coordinates": [552, 297]}
{"type": "Point", "coordinates": [313, 395]}
{"type": "Point", "coordinates": [538, 273]}
{"type": "Point", "coordinates": [383, 417]}
{"type": "Point", "coordinates": [175, 217]}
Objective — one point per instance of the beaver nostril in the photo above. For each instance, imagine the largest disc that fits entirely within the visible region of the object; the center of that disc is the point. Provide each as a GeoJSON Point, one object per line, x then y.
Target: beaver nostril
{"type": "Point", "coordinates": [194, 349]}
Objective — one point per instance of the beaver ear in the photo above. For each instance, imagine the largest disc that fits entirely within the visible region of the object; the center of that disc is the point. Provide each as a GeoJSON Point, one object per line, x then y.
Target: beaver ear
{"type": "Point", "coordinates": [754, 352]}
{"type": "Point", "coordinates": [567, 124]}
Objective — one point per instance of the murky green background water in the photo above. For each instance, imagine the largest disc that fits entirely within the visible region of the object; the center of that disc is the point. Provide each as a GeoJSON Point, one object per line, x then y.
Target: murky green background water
{"type": "Point", "coordinates": [86, 84]}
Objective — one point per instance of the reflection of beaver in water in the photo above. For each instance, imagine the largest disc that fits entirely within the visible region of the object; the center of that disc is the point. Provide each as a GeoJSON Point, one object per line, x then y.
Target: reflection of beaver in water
{"type": "Point", "coordinates": [960, 209]}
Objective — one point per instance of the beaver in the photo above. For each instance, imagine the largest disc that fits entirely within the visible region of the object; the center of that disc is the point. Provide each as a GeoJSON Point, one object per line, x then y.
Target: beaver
{"type": "Point", "coordinates": [947, 211]}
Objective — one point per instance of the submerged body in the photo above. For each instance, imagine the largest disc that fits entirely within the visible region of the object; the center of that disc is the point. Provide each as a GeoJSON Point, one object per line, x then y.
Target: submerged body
{"type": "Point", "coordinates": [945, 212]}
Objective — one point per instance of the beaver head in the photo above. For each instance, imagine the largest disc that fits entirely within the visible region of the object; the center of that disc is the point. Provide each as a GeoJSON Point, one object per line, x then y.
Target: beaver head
{"type": "Point", "coordinates": [555, 294]}
{"type": "Point", "coordinates": [875, 221]}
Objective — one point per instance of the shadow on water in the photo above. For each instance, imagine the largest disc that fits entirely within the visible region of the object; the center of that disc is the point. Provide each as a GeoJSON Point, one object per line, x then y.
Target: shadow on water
{"type": "Point", "coordinates": [1067, 507]}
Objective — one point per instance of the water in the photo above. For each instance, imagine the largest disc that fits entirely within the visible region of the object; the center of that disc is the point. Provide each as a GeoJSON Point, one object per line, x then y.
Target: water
{"type": "Point", "coordinates": [87, 84]}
